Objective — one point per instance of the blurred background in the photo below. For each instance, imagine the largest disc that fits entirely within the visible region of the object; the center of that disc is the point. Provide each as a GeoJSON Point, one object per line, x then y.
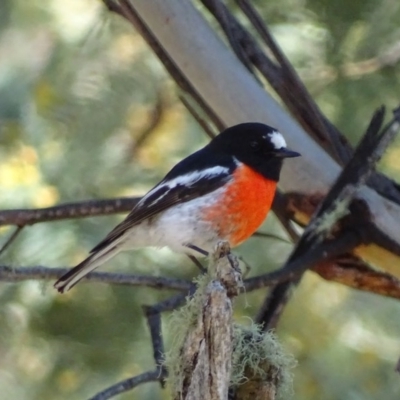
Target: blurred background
{"type": "Point", "coordinates": [86, 112]}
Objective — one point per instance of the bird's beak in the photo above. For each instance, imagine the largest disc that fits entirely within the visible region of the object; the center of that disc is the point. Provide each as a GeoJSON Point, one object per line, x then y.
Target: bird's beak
{"type": "Point", "coordinates": [286, 153]}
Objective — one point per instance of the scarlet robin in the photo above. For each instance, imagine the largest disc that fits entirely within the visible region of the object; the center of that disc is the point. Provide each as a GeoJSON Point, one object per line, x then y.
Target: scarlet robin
{"type": "Point", "coordinates": [223, 191]}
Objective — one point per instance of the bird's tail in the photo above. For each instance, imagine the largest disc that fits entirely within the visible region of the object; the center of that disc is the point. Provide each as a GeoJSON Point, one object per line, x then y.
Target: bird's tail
{"type": "Point", "coordinates": [72, 277]}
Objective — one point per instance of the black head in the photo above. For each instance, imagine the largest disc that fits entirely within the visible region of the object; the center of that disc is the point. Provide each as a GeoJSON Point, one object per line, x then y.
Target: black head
{"type": "Point", "coordinates": [257, 145]}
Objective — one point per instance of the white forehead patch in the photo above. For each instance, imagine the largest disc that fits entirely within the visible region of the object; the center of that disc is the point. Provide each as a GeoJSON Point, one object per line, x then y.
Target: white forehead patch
{"type": "Point", "coordinates": [277, 140]}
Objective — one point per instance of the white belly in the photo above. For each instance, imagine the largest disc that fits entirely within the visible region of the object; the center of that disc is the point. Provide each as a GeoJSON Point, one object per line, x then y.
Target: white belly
{"type": "Point", "coordinates": [176, 227]}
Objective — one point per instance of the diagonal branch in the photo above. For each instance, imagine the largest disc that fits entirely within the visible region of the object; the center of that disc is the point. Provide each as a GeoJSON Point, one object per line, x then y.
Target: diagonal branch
{"type": "Point", "coordinates": [12, 237]}
{"type": "Point", "coordinates": [209, 131]}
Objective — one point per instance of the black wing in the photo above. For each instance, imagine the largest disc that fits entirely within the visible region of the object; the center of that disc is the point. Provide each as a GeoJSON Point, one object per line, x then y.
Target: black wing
{"type": "Point", "coordinates": [174, 189]}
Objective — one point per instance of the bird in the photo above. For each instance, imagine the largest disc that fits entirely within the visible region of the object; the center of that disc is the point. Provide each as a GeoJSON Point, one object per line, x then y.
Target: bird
{"type": "Point", "coordinates": [223, 191]}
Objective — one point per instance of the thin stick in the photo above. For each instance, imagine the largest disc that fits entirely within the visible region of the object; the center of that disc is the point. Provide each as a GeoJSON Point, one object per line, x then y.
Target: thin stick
{"type": "Point", "coordinates": [11, 239]}
{"type": "Point", "coordinates": [153, 317]}
{"type": "Point", "coordinates": [129, 384]}
{"type": "Point", "coordinates": [201, 121]}
{"type": "Point", "coordinates": [294, 267]}
{"type": "Point", "coordinates": [8, 274]}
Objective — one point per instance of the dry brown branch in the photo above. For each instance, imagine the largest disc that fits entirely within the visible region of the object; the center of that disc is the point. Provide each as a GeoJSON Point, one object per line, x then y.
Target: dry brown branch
{"type": "Point", "coordinates": [353, 273]}
{"type": "Point", "coordinates": [211, 356]}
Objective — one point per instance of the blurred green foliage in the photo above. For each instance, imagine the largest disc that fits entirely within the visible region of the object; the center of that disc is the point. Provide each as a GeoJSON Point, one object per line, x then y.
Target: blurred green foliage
{"type": "Point", "coordinates": [78, 88]}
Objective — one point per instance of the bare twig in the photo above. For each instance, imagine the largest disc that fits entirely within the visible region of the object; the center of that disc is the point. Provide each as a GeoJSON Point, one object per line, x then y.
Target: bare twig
{"type": "Point", "coordinates": [154, 322]}
{"type": "Point", "coordinates": [174, 302]}
{"type": "Point", "coordinates": [349, 271]}
{"type": "Point", "coordinates": [12, 237]}
{"type": "Point", "coordinates": [76, 210]}
{"type": "Point", "coordinates": [201, 121]}
{"type": "Point", "coordinates": [296, 266]}
{"type": "Point", "coordinates": [154, 120]}
{"type": "Point", "coordinates": [8, 274]}
{"type": "Point", "coordinates": [279, 206]}
{"type": "Point", "coordinates": [129, 384]}
{"type": "Point", "coordinates": [234, 35]}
